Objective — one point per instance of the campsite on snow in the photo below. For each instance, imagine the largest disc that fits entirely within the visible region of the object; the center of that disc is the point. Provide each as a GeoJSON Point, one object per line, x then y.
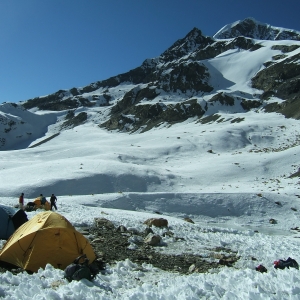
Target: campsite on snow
{"type": "Point", "coordinates": [204, 138]}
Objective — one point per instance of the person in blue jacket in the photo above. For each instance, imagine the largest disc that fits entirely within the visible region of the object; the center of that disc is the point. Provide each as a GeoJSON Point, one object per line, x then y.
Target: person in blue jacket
{"type": "Point", "coordinates": [43, 199]}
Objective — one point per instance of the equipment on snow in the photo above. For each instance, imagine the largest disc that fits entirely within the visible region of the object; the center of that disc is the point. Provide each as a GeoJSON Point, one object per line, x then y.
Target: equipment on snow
{"type": "Point", "coordinates": [261, 269]}
{"type": "Point", "coordinates": [78, 271]}
{"type": "Point", "coordinates": [282, 264]}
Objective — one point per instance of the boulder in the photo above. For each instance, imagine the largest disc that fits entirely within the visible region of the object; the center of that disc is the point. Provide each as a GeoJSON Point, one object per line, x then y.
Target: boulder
{"type": "Point", "coordinates": [189, 220]}
{"type": "Point", "coordinates": [136, 239]}
{"type": "Point", "coordinates": [102, 222]}
{"type": "Point", "coordinates": [122, 228]}
{"type": "Point", "coordinates": [152, 239]}
{"type": "Point", "coordinates": [158, 222]}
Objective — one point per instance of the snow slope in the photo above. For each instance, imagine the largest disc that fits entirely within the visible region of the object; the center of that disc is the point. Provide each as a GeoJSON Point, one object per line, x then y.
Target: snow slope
{"type": "Point", "coordinates": [229, 192]}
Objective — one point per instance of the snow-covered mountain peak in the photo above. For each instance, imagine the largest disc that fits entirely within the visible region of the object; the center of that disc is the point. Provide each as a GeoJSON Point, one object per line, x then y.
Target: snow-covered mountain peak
{"type": "Point", "coordinates": [252, 28]}
{"type": "Point", "coordinates": [249, 66]}
{"type": "Point", "coordinates": [193, 40]}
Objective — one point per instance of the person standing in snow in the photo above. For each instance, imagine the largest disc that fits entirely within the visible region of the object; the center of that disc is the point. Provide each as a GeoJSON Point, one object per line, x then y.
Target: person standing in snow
{"type": "Point", "coordinates": [53, 200]}
{"type": "Point", "coordinates": [21, 201]}
{"type": "Point", "coordinates": [43, 199]}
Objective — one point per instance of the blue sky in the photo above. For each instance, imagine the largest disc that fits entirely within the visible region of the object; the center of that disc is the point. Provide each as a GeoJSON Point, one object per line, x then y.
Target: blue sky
{"type": "Point", "coordinates": [47, 45]}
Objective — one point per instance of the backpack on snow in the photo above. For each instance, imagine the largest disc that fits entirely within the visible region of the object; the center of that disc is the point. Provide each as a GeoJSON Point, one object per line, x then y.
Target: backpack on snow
{"type": "Point", "coordinates": [261, 269]}
{"type": "Point", "coordinates": [30, 206]}
{"type": "Point", "coordinates": [78, 271]}
{"type": "Point", "coordinates": [282, 264]}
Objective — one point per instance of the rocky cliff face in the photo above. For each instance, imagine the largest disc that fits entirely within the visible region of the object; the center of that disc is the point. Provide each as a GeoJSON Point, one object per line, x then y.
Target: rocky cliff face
{"type": "Point", "coordinates": [185, 82]}
{"type": "Point", "coordinates": [281, 79]}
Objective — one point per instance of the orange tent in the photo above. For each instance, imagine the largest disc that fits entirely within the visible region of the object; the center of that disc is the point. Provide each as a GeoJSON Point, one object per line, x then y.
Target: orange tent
{"type": "Point", "coordinates": [48, 238]}
{"type": "Point", "coordinates": [38, 204]}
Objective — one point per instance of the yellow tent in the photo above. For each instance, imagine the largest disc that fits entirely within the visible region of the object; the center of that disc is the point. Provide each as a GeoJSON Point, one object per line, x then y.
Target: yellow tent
{"type": "Point", "coordinates": [47, 238]}
{"type": "Point", "coordinates": [38, 204]}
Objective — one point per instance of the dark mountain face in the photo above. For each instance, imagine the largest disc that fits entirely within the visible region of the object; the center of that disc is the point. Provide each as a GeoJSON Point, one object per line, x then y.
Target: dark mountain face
{"type": "Point", "coordinates": [282, 80]}
{"type": "Point", "coordinates": [256, 30]}
{"type": "Point", "coordinates": [193, 40]}
{"type": "Point", "coordinates": [180, 84]}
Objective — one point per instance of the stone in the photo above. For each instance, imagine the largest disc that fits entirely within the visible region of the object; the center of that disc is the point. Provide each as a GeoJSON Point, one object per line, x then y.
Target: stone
{"type": "Point", "coordinates": [168, 233]}
{"type": "Point", "coordinates": [152, 239]}
{"type": "Point", "coordinates": [192, 268]}
{"type": "Point", "coordinates": [148, 230]}
{"type": "Point", "coordinates": [98, 240]}
{"type": "Point", "coordinates": [189, 220]}
{"type": "Point", "coordinates": [272, 221]}
{"type": "Point", "coordinates": [121, 228]}
{"type": "Point", "coordinates": [102, 222]}
{"type": "Point", "coordinates": [133, 230]}
{"type": "Point", "coordinates": [160, 222]}
{"type": "Point", "coordinates": [136, 239]}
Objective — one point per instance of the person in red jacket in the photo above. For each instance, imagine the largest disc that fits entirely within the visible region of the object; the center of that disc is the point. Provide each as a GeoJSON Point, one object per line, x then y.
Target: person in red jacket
{"type": "Point", "coordinates": [21, 201]}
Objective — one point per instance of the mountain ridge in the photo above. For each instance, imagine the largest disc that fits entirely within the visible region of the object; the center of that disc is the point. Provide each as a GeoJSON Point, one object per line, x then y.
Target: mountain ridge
{"type": "Point", "coordinates": [252, 28]}
{"type": "Point", "coordinates": [195, 78]}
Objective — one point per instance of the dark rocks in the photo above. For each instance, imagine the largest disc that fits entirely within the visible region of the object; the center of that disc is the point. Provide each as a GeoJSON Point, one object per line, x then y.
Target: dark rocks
{"type": "Point", "coordinates": [281, 80]}
{"type": "Point", "coordinates": [227, 261]}
{"type": "Point", "coordinates": [185, 76]}
{"type": "Point", "coordinates": [285, 48]}
{"type": "Point", "coordinates": [148, 230]}
{"type": "Point", "coordinates": [223, 99]}
{"type": "Point", "coordinates": [189, 220]}
{"type": "Point", "coordinates": [250, 104]}
{"type": "Point", "coordinates": [161, 222]}
{"type": "Point", "coordinates": [153, 239]}
{"type": "Point", "coordinates": [102, 222]}
{"type": "Point", "coordinates": [296, 174]}
{"type": "Point", "coordinates": [75, 121]}
{"type": "Point", "coordinates": [168, 233]}
{"type": "Point", "coordinates": [114, 248]}
{"type": "Point", "coordinates": [194, 39]}
{"type": "Point", "coordinates": [122, 228]}
{"type": "Point", "coordinates": [111, 244]}
{"type": "Point", "coordinates": [129, 116]}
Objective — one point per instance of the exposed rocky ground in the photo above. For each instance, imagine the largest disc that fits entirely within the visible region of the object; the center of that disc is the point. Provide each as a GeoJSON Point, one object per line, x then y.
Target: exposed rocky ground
{"type": "Point", "coordinates": [111, 245]}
